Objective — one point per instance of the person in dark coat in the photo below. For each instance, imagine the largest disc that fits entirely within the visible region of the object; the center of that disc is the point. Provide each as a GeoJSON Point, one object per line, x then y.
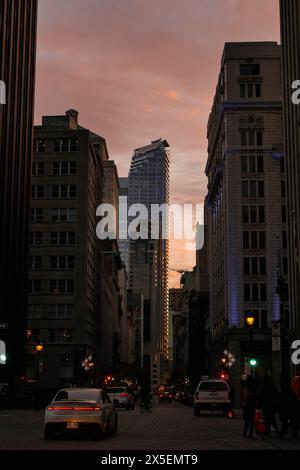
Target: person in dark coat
{"type": "Point", "coordinates": [249, 412]}
{"type": "Point", "coordinates": [288, 412]}
{"type": "Point", "coordinates": [269, 402]}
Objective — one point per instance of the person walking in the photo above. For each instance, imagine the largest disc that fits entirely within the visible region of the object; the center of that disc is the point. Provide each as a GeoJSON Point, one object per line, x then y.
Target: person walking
{"type": "Point", "coordinates": [269, 402]}
{"type": "Point", "coordinates": [249, 411]}
{"type": "Point", "coordinates": [288, 412]}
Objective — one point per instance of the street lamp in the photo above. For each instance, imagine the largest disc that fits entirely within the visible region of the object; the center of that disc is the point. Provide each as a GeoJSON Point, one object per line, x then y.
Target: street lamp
{"type": "Point", "coordinates": [250, 320]}
{"type": "Point", "coordinates": [39, 349]}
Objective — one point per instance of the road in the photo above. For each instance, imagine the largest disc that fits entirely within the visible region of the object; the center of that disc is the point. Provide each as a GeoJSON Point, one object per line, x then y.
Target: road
{"type": "Point", "coordinates": [170, 427]}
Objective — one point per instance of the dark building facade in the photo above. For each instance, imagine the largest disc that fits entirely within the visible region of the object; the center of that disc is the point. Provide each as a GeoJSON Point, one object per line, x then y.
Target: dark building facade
{"type": "Point", "coordinates": [290, 35]}
{"type": "Point", "coordinates": [18, 20]}
{"type": "Point", "coordinates": [69, 285]}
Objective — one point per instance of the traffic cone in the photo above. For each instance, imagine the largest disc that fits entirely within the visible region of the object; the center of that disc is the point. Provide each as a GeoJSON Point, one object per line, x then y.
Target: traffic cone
{"type": "Point", "coordinates": [260, 426]}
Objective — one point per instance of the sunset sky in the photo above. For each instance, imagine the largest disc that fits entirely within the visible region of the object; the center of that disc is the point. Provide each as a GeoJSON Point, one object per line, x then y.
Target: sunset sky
{"type": "Point", "coordinates": [137, 70]}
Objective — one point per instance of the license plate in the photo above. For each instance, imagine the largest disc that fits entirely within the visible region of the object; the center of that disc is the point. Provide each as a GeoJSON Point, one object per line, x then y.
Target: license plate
{"type": "Point", "coordinates": [72, 425]}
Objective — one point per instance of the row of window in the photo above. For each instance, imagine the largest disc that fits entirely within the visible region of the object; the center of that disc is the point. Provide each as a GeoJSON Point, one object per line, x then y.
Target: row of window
{"type": "Point", "coordinates": [60, 168]}
{"type": "Point", "coordinates": [65, 360]}
{"type": "Point", "coordinates": [253, 214]}
{"type": "Point", "coordinates": [57, 191]}
{"type": "Point", "coordinates": [37, 215]}
{"type": "Point", "coordinates": [254, 240]}
{"type": "Point", "coordinates": [63, 263]}
{"type": "Point", "coordinates": [57, 145]}
{"type": "Point", "coordinates": [51, 311]}
{"type": "Point", "coordinates": [51, 335]}
{"type": "Point", "coordinates": [55, 286]}
{"type": "Point", "coordinates": [56, 238]}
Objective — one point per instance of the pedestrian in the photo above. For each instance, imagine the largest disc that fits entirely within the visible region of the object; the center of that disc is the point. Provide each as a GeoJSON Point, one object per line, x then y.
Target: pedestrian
{"type": "Point", "coordinates": [288, 412]}
{"type": "Point", "coordinates": [269, 403]}
{"type": "Point", "coordinates": [249, 411]}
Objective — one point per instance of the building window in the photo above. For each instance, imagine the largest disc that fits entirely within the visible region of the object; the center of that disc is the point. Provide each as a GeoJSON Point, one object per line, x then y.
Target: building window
{"type": "Point", "coordinates": [35, 263]}
{"type": "Point", "coordinates": [40, 146]}
{"type": "Point", "coordinates": [255, 292]}
{"type": "Point", "coordinates": [63, 191]}
{"type": "Point", "coordinates": [63, 215]}
{"type": "Point", "coordinates": [64, 168]}
{"type": "Point", "coordinates": [66, 360]}
{"type": "Point", "coordinates": [253, 189]}
{"type": "Point", "coordinates": [254, 240]}
{"type": "Point", "coordinates": [250, 90]}
{"type": "Point", "coordinates": [62, 238]}
{"type": "Point", "coordinates": [251, 138]}
{"type": "Point", "coordinates": [282, 187]}
{"type": "Point", "coordinates": [61, 286]}
{"type": "Point", "coordinates": [60, 335]}
{"type": "Point", "coordinates": [60, 310]}
{"type": "Point", "coordinates": [35, 286]}
{"type": "Point", "coordinates": [37, 191]}
{"type": "Point", "coordinates": [36, 216]}
{"type": "Point", "coordinates": [252, 164]}
{"type": "Point", "coordinates": [65, 145]}
{"type": "Point", "coordinates": [282, 165]}
{"type": "Point", "coordinates": [255, 266]}
{"type": "Point", "coordinates": [283, 214]}
{"type": "Point", "coordinates": [62, 263]}
{"type": "Point", "coordinates": [36, 238]}
{"type": "Point", "coordinates": [34, 311]}
{"type": "Point", "coordinates": [249, 69]}
{"type": "Point", "coordinates": [285, 265]}
{"type": "Point", "coordinates": [284, 239]}
{"type": "Point", "coordinates": [38, 169]}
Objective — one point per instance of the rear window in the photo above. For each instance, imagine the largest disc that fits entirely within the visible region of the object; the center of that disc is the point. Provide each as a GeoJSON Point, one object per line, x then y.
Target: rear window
{"type": "Point", "coordinates": [77, 394]}
{"type": "Point", "coordinates": [115, 390]}
{"type": "Point", "coordinates": [219, 386]}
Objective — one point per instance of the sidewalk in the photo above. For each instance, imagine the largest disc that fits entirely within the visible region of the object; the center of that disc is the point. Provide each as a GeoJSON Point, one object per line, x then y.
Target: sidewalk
{"type": "Point", "coordinates": [288, 443]}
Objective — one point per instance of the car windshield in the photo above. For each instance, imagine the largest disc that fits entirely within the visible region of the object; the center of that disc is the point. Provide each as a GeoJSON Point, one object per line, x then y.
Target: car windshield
{"type": "Point", "coordinates": [207, 386]}
{"type": "Point", "coordinates": [77, 394]}
{"type": "Point", "coordinates": [115, 390]}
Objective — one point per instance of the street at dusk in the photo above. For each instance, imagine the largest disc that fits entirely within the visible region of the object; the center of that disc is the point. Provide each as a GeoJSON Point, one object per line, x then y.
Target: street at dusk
{"type": "Point", "coordinates": [170, 427]}
{"type": "Point", "coordinates": [150, 231]}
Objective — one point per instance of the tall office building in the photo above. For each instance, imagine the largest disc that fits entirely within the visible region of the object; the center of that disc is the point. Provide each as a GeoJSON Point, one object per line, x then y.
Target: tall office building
{"type": "Point", "coordinates": [18, 21]}
{"type": "Point", "coordinates": [148, 183]}
{"type": "Point", "coordinates": [72, 287]}
{"type": "Point", "coordinates": [246, 208]}
{"type": "Point", "coordinates": [290, 34]}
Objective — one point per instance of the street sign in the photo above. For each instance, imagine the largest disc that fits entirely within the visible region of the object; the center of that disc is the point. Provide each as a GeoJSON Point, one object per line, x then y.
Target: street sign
{"type": "Point", "coordinates": [276, 344]}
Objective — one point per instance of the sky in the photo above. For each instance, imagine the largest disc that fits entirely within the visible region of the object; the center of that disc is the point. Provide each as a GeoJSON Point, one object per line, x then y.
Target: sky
{"type": "Point", "coordinates": [138, 70]}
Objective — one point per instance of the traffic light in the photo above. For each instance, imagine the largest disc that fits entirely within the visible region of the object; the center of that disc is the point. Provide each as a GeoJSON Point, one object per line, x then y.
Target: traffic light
{"type": "Point", "coordinates": [253, 362]}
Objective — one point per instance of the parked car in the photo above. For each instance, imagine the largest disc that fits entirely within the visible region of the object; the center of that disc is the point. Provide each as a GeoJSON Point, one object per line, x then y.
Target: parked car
{"type": "Point", "coordinates": [83, 410]}
{"type": "Point", "coordinates": [212, 395]}
{"type": "Point", "coordinates": [122, 397]}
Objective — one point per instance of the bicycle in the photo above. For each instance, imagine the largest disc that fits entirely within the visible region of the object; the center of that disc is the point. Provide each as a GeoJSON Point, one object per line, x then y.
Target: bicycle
{"type": "Point", "coordinates": [146, 406]}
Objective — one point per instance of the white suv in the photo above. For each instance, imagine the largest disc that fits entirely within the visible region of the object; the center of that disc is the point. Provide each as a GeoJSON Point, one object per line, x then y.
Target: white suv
{"type": "Point", "coordinates": [212, 394]}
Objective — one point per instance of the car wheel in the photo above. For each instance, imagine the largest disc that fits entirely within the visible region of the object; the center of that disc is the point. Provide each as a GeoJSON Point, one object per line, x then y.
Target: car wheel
{"type": "Point", "coordinates": [128, 407]}
{"type": "Point", "coordinates": [133, 405]}
{"type": "Point", "coordinates": [196, 411]}
{"type": "Point", "coordinates": [49, 432]}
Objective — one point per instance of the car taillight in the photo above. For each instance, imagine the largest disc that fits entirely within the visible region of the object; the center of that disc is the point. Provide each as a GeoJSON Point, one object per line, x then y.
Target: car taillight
{"type": "Point", "coordinates": [170, 396]}
{"type": "Point", "coordinates": [123, 394]}
{"type": "Point", "coordinates": [160, 396]}
{"type": "Point", "coordinates": [75, 408]}
{"type": "Point", "coordinates": [87, 408]}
